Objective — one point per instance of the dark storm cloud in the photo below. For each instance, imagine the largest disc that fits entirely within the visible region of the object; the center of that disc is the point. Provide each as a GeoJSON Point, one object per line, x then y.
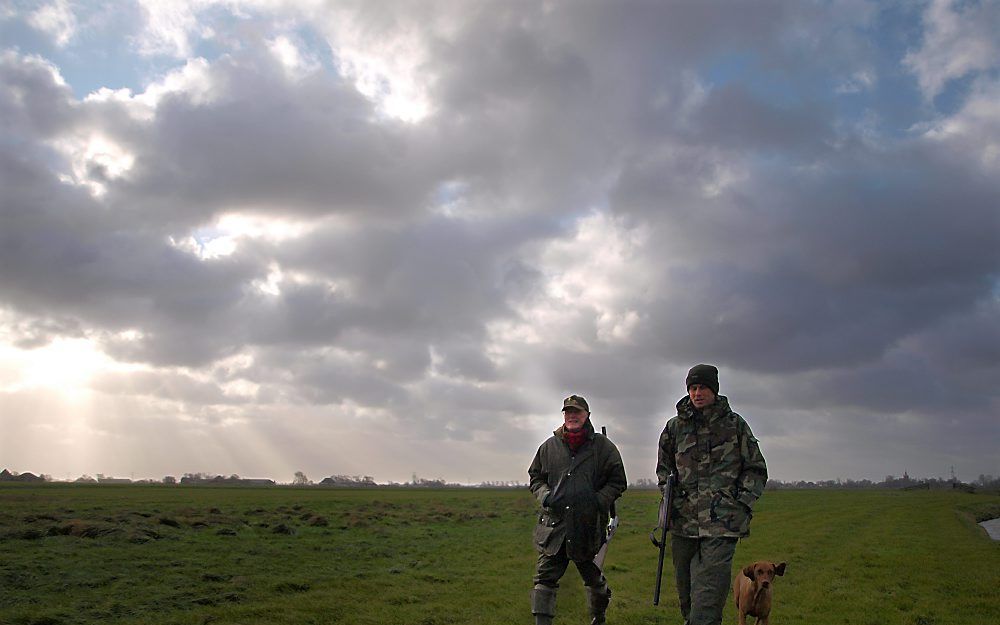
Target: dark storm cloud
{"type": "Point", "coordinates": [733, 118]}
{"type": "Point", "coordinates": [63, 259]}
{"type": "Point", "coordinates": [263, 141]}
{"type": "Point", "coordinates": [814, 271]}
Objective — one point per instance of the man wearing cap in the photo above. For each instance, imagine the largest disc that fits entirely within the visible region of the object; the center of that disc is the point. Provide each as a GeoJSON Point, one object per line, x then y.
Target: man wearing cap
{"type": "Point", "coordinates": [576, 475]}
{"type": "Point", "coordinates": [720, 474]}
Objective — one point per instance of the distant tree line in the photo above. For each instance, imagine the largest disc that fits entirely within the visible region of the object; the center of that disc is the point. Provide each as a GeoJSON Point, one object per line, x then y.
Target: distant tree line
{"type": "Point", "coordinates": [983, 482]}
{"type": "Point", "coordinates": [232, 480]}
{"type": "Point", "coordinates": [349, 481]}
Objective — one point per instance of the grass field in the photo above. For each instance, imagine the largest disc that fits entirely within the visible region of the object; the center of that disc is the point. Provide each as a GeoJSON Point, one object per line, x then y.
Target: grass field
{"type": "Point", "coordinates": [157, 555]}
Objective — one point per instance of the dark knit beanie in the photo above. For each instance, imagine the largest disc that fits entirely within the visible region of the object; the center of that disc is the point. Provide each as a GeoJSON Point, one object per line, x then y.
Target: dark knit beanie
{"type": "Point", "coordinates": [706, 375]}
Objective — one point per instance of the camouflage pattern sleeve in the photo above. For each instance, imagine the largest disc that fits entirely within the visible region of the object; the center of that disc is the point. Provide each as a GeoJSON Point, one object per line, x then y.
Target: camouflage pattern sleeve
{"type": "Point", "coordinates": [753, 477]}
{"type": "Point", "coordinates": [665, 461]}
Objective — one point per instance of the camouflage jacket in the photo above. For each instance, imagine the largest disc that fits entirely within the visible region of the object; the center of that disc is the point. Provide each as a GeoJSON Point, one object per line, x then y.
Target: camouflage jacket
{"type": "Point", "coordinates": [577, 511]}
{"type": "Point", "coordinates": [720, 470]}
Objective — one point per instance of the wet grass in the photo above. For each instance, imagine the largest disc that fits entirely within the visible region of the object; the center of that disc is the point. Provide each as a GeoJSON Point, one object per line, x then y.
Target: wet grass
{"type": "Point", "coordinates": [174, 555]}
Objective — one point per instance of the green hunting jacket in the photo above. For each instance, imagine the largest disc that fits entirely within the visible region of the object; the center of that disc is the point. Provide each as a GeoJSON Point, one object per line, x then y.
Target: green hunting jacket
{"type": "Point", "coordinates": [720, 470]}
{"type": "Point", "coordinates": [577, 513]}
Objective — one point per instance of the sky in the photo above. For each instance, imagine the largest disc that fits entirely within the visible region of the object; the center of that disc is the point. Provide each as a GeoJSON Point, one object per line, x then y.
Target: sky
{"type": "Point", "coordinates": [257, 237]}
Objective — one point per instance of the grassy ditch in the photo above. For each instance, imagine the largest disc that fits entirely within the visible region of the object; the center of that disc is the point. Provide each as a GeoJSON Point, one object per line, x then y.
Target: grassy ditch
{"type": "Point", "coordinates": [175, 555]}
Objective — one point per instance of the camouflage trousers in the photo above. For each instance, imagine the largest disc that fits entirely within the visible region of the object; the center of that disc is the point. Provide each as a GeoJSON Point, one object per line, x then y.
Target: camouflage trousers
{"type": "Point", "coordinates": [702, 569]}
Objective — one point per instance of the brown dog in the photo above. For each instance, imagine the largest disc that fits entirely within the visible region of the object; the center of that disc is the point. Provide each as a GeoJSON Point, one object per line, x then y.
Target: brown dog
{"type": "Point", "coordinates": [752, 590]}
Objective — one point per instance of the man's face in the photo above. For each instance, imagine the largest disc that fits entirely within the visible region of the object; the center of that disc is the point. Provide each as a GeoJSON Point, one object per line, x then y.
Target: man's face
{"type": "Point", "coordinates": [574, 418]}
{"type": "Point", "coordinates": [701, 396]}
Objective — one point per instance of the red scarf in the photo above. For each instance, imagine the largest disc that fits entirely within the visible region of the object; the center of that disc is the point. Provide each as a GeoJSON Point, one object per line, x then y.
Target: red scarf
{"type": "Point", "coordinates": [575, 439]}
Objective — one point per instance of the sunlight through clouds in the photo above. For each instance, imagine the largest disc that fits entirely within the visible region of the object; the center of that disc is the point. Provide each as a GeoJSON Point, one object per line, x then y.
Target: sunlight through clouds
{"type": "Point", "coordinates": [295, 62]}
{"type": "Point", "coordinates": [597, 269]}
{"type": "Point", "coordinates": [95, 161]}
{"type": "Point", "coordinates": [223, 238]}
{"type": "Point", "coordinates": [387, 59]}
{"type": "Point", "coordinates": [64, 366]}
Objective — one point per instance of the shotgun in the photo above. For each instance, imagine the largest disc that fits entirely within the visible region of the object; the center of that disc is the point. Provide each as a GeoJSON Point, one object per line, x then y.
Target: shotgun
{"type": "Point", "coordinates": [663, 525]}
{"type": "Point", "coordinates": [612, 527]}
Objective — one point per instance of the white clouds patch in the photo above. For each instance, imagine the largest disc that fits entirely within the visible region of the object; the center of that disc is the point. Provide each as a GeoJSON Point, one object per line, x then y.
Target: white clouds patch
{"type": "Point", "coordinates": [594, 282]}
{"type": "Point", "coordinates": [386, 60]}
{"type": "Point", "coordinates": [55, 19]}
{"type": "Point", "coordinates": [384, 55]}
{"type": "Point", "coordinates": [170, 26]}
{"type": "Point", "coordinates": [95, 160]}
{"type": "Point", "coordinates": [193, 81]}
{"type": "Point", "coordinates": [291, 57]}
{"type": "Point", "coordinates": [974, 130]}
{"type": "Point", "coordinates": [959, 38]}
{"type": "Point", "coordinates": [224, 236]}
{"type": "Point", "coordinates": [861, 80]}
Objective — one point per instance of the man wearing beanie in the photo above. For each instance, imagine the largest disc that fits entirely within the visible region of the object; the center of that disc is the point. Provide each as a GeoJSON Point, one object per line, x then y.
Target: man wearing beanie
{"type": "Point", "coordinates": [720, 474]}
{"type": "Point", "coordinates": [576, 475]}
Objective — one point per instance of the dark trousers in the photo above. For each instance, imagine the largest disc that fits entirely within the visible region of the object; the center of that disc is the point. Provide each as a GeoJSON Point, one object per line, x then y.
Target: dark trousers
{"type": "Point", "coordinates": [550, 570]}
{"type": "Point", "coordinates": [702, 568]}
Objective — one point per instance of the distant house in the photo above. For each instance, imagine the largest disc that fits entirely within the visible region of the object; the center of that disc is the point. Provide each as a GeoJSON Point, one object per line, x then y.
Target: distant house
{"type": "Point", "coordinates": [7, 476]}
{"type": "Point", "coordinates": [251, 481]}
{"type": "Point", "coordinates": [113, 480]}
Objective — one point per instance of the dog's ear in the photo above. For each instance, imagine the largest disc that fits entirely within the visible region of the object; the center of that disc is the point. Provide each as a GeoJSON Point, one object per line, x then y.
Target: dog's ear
{"type": "Point", "coordinates": [779, 569]}
{"type": "Point", "coordinates": [748, 571]}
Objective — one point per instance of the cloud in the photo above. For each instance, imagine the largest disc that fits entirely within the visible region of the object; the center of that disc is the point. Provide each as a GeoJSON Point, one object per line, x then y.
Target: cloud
{"type": "Point", "coordinates": [959, 39]}
{"type": "Point", "coordinates": [308, 228]}
{"type": "Point", "coordinates": [55, 19]}
{"type": "Point", "coordinates": [971, 133]}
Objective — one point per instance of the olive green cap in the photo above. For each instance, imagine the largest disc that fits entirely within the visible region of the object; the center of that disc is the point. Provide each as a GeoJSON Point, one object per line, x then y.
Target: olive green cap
{"type": "Point", "coordinates": [575, 401]}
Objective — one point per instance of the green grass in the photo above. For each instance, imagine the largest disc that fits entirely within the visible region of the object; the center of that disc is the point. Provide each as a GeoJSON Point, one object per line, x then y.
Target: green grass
{"type": "Point", "coordinates": [74, 554]}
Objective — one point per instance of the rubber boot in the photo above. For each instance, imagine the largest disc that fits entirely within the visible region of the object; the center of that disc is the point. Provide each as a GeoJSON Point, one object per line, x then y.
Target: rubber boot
{"type": "Point", "coordinates": [598, 598]}
{"type": "Point", "coordinates": [543, 604]}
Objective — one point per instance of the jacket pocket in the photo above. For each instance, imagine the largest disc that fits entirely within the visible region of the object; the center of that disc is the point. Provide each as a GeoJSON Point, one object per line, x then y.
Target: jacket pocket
{"type": "Point", "coordinates": [730, 513]}
{"type": "Point", "coordinates": [543, 533]}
